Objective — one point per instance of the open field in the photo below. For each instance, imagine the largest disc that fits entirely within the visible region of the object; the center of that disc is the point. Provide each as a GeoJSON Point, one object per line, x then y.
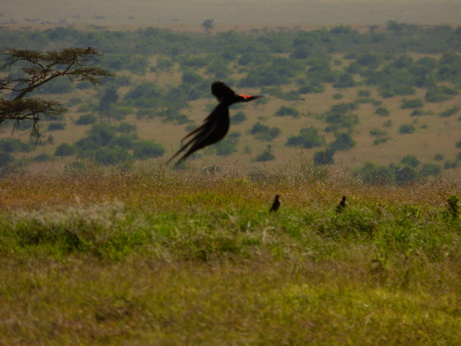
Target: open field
{"type": "Point", "coordinates": [145, 254]}
{"type": "Point", "coordinates": [434, 135]}
{"type": "Point", "coordinates": [160, 257]}
{"type": "Point", "coordinates": [246, 15]}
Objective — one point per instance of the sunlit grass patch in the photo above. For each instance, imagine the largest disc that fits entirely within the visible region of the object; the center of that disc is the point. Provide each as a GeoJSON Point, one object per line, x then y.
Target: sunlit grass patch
{"type": "Point", "coordinates": [184, 257]}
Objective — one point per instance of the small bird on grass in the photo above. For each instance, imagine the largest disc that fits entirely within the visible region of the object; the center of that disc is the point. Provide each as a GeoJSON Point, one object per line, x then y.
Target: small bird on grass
{"type": "Point", "coordinates": [340, 207]}
{"type": "Point", "coordinates": [216, 125]}
{"type": "Point", "coordinates": [276, 205]}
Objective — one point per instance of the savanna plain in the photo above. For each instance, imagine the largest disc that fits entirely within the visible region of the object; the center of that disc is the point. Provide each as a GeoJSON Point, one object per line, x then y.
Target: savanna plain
{"type": "Point", "coordinates": [166, 257]}
{"type": "Point", "coordinates": [146, 254]}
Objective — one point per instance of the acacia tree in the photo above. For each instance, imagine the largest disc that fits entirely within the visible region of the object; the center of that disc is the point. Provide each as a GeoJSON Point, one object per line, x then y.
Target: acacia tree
{"type": "Point", "coordinates": [23, 71]}
{"type": "Point", "coordinates": [208, 25]}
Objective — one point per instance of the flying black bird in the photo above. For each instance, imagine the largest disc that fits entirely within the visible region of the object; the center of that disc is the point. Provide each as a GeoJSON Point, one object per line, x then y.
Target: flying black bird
{"type": "Point", "coordinates": [216, 125]}
{"type": "Point", "coordinates": [275, 205]}
{"type": "Point", "coordinates": [340, 207]}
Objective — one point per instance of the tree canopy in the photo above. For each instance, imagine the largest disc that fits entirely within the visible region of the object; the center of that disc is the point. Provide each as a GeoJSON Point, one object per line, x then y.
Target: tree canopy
{"type": "Point", "coordinates": [24, 71]}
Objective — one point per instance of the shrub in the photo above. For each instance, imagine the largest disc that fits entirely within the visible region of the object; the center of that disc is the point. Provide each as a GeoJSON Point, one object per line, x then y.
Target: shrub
{"type": "Point", "coordinates": [110, 156]}
{"type": "Point", "coordinates": [406, 175]}
{"type": "Point", "coordinates": [407, 129]}
{"type": "Point", "coordinates": [370, 173]}
{"type": "Point", "coordinates": [56, 126]}
{"type": "Point", "coordinates": [287, 111]}
{"type": "Point", "coordinates": [440, 94]}
{"type": "Point", "coordinates": [430, 169]}
{"type": "Point", "coordinates": [414, 103]}
{"type": "Point", "coordinates": [449, 112]}
{"type": "Point", "coordinates": [126, 128]}
{"type": "Point", "coordinates": [311, 87]}
{"type": "Point", "coordinates": [338, 96]}
{"type": "Point", "coordinates": [380, 140]}
{"type": "Point", "coordinates": [343, 141]}
{"type": "Point", "coordinates": [143, 150]}
{"type": "Point", "coordinates": [419, 112]}
{"type": "Point", "coordinates": [381, 111]}
{"type": "Point", "coordinates": [5, 158]}
{"type": "Point", "coordinates": [41, 158]}
{"type": "Point", "coordinates": [307, 138]}
{"type": "Point", "coordinates": [410, 160]}
{"type": "Point", "coordinates": [345, 80]}
{"type": "Point", "coordinates": [438, 157]}
{"type": "Point", "coordinates": [324, 157]}
{"type": "Point", "coordinates": [340, 116]}
{"type": "Point", "coordinates": [228, 145]}
{"type": "Point", "coordinates": [363, 93]}
{"type": "Point", "coordinates": [86, 119]}
{"type": "Point", "coordinates": [225, 148]}
{"type": "Point", "coordinates": [264, 132]}
{"type": "Point", "coordinates": [265, 156]}
{"type": "Point", "coordinates": [126, 141]}
{"type": "Point", "coordinates": [12, 145]}
{"type": "Point", "coordinates": [450, 164]}
{"type": "Point", "coordinates": [64, 149]}
{"type": "Point", "coordinates": [378, 133]}
{"type": "Point", "coordinates": [238, 117]}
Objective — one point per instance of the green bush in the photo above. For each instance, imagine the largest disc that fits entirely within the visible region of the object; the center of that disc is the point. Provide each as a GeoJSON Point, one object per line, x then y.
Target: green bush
{"type": "Point", "coordinates": [307, 138]}
{"type": "Point", "coordinates": [345, 80]}
{"type": "Point", "coordinates": [238, 117]}
{"type": "Point", "coordinates": [56, 126]}
{"type": "Point", "coordinates": [449, 112]}
{"type": "Point", "coordinates": [144, 149]}
{"type": "Point", "coordinates": [64, 149]}
{"type": "Point", "coordinates": [111, 156]}
{"type": "Point", "coordinates": [228, 146]}
{"type": "Point", "coordinates": [430, 169]}
{"type": "Point", "coordinates": [41, 158]}
{"type": "Point", "coordinates": [324, 157]}
{"type": "Point", "coordinates": [406, 175]}
{"type": "Point", "coordinates": [440, 94]}
{"type": "Point", "coordinates": [86, 119]}
{"type": "Point", "coordinates": [410, 160]}
{"type": "Point", "coordinates": [264, 132]}
{"type": "Point", "coordinates": [343, 141]}
{"type": "Point", "coordinates": [5, 158]}
{"type": "Point", "coordinates": [287, 111]}
{"type": "Point", "coordinates": [407, 129]}
{"type": "Point", "coordinates": [374, 174]}
{"type": "Point", "coordinates": [265, 156]}
{"type": "Point", "coordinates": [13, 145]}
{"type": "Point", "coordinates": [414, 103]}
{"type": "Point", "coordinates": [381, 111]}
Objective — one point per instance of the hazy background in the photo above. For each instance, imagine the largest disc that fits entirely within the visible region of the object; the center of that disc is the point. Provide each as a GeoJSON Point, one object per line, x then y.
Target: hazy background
{"type": "Point", "coordinates": [183, 14]}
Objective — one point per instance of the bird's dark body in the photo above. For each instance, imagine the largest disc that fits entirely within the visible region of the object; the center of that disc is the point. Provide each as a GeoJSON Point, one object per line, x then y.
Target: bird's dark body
{"type": "Point", "coordinates": [216, 125]}
{"type": "Point", "coordinates": [342, 205]}
{"type": "Point", "coordinates": [275, 205]}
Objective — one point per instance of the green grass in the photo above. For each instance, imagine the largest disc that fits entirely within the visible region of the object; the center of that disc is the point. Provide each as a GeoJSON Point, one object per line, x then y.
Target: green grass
{"type": "Point", "coordinates": [156, 257]}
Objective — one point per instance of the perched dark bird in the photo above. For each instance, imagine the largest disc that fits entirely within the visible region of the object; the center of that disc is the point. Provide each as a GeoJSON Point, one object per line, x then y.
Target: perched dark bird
{"type": "Point", "coordinates": [276, 205]}
{"type": "Point", "coordinates": [340, 207]}
{"type": "Point", "coordinates": [216, 125]}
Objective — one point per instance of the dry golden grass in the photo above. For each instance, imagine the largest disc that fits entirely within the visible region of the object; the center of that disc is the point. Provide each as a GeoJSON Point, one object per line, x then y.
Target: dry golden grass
{"type": "Point", "coordinates": [160, 188]}
{"type": "Point", "coordinates": [155, 256]}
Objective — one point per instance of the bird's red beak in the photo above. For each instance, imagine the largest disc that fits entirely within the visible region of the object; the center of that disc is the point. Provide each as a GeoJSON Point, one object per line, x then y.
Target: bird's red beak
{"type": "Point", "coordinates": [247, 98]}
